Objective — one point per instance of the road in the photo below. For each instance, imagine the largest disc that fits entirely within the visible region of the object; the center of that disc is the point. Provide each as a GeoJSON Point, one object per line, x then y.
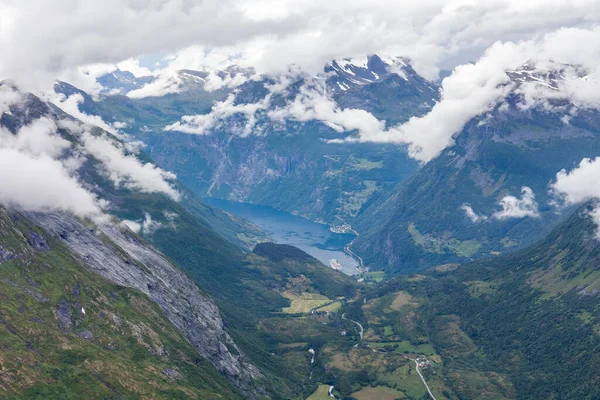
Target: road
{"type": "Point", "coordinates": [360, 332]}
{"type": "Point", "coordinates": [422, 379]}
{"type": "Point", "coordinates": [347, 248]}
{"type": "Point", "coordinates": [353, 254]}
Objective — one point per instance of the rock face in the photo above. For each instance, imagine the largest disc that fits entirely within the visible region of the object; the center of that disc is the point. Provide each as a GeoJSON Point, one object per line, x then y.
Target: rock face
{"type": "Point", "coordinates": [118, 255]}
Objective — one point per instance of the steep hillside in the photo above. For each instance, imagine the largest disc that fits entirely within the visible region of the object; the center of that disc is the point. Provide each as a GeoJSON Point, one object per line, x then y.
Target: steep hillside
{"type": "Point", "coordinates": [248, 289]}
{"type": "Point", "coordinates": [425, 222]}
{"type": "Point", "coordinates": [92, 319]}
{"type": "Point", "coordinates": [525, 325]}
{"type": "Point", "coordinates": [268, 301]}
{"type": "Point", "coordinates": [286, 164]}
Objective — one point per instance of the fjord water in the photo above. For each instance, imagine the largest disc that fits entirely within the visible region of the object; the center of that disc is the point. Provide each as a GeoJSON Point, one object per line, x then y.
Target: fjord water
{"type": "Point", "coordinates": [284, 228]}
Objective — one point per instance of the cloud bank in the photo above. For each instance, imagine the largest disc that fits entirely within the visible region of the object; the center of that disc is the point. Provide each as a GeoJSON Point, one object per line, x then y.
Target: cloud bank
{"type": "Point", "coordinates": [35, 173]}
{"type": "Point", "coordinates": [65, 35]}
{"type": "Point", "coordinates": [538, 71]}
{"type": "Point", "coordinates": [39, 167]}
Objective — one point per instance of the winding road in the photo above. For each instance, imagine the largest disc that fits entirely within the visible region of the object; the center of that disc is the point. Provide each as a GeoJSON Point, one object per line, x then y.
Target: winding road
{"type": "Point", "coordinates": [422, 379]}
{"type": "Point", "coordinates": [360, 332]}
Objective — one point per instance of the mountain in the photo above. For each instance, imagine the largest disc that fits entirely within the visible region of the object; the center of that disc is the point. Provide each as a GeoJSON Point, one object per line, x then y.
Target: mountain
{"type": "Point", "coordinates": [91, 316]}
{"type": "Point", "coordinates": [182, 81]}
{"type": "Point", "coordinates": [226, 311]}
{"type": "Point", "coordinates": [449, 210]}
{"type": "Point", "coordinates": [408, 217]}
{"type": "Point", "coordinates": [524, 325]}
{"type": "Point", "coordinates": [126, 260]}
{"type": "Point", "coordinates": [122, 81]}
{"type": "Point", "coordinates": [288, 165]}
{"type": "Point", "coordinates": [389, 89]}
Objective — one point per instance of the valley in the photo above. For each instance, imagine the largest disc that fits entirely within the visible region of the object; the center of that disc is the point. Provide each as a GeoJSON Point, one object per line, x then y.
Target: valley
{"type": "Point", "coordinates": [271, 200]}
{"type": "Point", "coordinates": [313, 238]}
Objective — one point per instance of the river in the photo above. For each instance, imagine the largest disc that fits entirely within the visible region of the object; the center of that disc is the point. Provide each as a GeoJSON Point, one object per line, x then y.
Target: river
{"type": "Point", "coordinates": [311, 237]}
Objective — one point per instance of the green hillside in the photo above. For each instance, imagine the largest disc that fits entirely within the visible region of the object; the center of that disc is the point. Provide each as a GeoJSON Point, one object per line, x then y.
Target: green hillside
{"type": "Point", "coordinates": [524, 325]}
{"type": "Point", "coordinates": [67, 333]}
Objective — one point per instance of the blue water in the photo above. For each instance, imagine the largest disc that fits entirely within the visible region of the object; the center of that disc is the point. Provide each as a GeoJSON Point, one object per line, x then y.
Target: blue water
{"type": "Point", "coordinates": [315, 239]}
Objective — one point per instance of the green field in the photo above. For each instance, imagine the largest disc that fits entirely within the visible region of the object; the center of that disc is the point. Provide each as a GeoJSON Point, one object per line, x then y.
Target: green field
{"type": "Point", "coordinates": [303, 303]}
{"type": "Point", "coordinates": [322, 393]}
{"type": "Point", "coordinates": [405, 347]}
{"type": "Point", "coordinates": [376, 276]}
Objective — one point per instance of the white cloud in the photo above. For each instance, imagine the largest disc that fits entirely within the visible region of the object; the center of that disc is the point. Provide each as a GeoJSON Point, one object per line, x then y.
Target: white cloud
{"type": "Point", "coordinates": [147, 226]}
{"type": "Point", "coordinates": [42, 184]}
{"type": "Point", "coordinates": [580, 184]}
{"type": "Point", "coordinates": [474, 89]}
{"type": "Point", "coordinates": [268, 35]}
{"type": "Point", "coordinates": [312, 104]}
{"type": "Point", "coordinates": [133, 65]}
{"type": "Point", "coordinates": [36, 139]}
{"type": "Point", "coordinates": [165, 83]}
{"type": "Point", "coordinates": [34, 179]}
{"type": "Point", "coordinates": [8, 96]}
{"type": "Point", "coordinates": [513, 207]}
{"type": "Point", "coordinates": [472, 215]}
{"type": "Point", "coordinates": [134, 226]}
{"type": "Point", "coordinates": [218, 118]}
{"type": "Point", "coordinates": [127, 170]}
{"type": "Point", "coordinates": [70, 105]}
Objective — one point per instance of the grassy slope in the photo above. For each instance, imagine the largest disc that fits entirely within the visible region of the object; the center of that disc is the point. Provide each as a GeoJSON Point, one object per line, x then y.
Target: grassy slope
{"type": "Point", "coordinates": [249, 294]}
{"type": "Point", "coordinates": [121, 347]}
{"type": "Point", "coordinates": [525, 325]}
{"type": "Point", "coordinates": [512, 150]}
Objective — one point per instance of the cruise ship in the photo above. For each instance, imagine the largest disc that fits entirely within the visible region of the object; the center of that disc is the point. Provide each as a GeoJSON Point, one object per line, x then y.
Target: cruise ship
{"type": "Point", "coordinates": [335, 264]}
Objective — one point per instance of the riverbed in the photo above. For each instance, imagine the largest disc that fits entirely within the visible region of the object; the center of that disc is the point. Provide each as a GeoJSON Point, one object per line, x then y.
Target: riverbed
{"type": "Point", "coordinates": [284, 228]}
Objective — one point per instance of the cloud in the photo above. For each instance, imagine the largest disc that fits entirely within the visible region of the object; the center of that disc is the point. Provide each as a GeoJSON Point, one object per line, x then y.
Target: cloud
{"type": "Point", "coordinates": [36, 139]}
{"type": "Point", "coordinates": [474, 89]}
{"type": "Point", "coordinates": [579, 185]}
{"type": "Point", "coordinates": [513, 207]}
{"type": "Point", "coordinates": [70, 105]}
{"type": "Point", "coordinates": [164, 84]}
{"type": "Point", "coordinates": [35, 174]}
{"type": "Point", "coordinates": [134, 226]}
{"type": "Point", "coordinates": [313, 104]}
{"type": "Point", "coordinates": [64, 35]}
{"type": "Point", "coordinates": [8, 96]}
{"type": "Point", "coordinates": [127, 170]}
{"type": "Point", "coordinates": [42, 184]}
{"type": "Point", "coordinates": [148, 226]}
{"type": "Point", "coordinates": [219, 118]}
{"type": "Point", "coordinates": [472, 215]}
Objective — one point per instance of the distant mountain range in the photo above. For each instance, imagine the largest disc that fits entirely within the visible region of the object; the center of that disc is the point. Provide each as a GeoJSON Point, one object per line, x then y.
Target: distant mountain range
{"type": "Point", "coordinates": [405, 224]}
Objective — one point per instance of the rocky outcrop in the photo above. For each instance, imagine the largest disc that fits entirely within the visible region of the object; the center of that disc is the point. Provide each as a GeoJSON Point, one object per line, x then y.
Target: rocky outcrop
{"type": "Point", "coordinates": [118, 255]}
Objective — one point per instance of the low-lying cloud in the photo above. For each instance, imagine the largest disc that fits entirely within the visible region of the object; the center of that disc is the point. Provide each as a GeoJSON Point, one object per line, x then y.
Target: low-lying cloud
{"type": "Point", "coordinates": [472, 215]}
{"type": "Point", "coordinates": [220, 117]}
{"type": "Point", "coordinates": [514, 207]}
{"type": "Point", "coordinates": [43, 184]}
{"type": "Point", "coordinates": [126, 170]}
{"type": "Point", "coordinates": [39, 167]}
{"type": "Point", "coordinates": [579, 185]}
{"type": "Point", "coordinates": [147, 226]}
{"type": "Point", "coordinates": [35, 173]}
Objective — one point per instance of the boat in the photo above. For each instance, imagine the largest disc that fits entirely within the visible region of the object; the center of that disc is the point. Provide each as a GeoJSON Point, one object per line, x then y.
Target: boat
{"type": "Point", "coordinates": [335, 264]}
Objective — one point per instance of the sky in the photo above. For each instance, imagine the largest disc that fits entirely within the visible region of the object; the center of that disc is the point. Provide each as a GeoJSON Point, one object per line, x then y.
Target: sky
{"type": "Point", "coordinates": [77, 40]}
{"type": "Point", "coordinates": [42, 40]}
